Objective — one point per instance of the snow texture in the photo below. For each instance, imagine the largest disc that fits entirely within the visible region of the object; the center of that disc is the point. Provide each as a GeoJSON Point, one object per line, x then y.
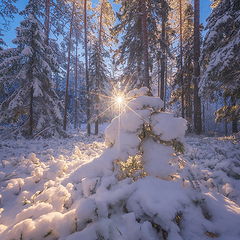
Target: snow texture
{"type": "Point", "coordinates": [70, 189]}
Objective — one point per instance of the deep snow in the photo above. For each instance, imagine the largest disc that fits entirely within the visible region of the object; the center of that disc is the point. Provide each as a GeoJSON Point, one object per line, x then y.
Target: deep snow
{"type": "Point", "coordinates": [32, 171]}
{"type": "Point", "coordinates": [65, 188]}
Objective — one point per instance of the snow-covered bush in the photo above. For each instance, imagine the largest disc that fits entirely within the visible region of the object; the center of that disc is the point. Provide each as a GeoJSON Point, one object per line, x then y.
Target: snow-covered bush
{"type": "Point", "coordinates": [146, 140]}
{"type": "Point", "coordinates": [134, 190]}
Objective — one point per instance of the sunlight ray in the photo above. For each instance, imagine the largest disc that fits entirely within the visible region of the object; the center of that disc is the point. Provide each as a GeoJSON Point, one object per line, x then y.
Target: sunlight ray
{"type": "Point", "coordinates": [119, 126]}
{"type": "Point", "coordinates": [102, 95]}
{"type": "Point", "coordinates": [99, 115]}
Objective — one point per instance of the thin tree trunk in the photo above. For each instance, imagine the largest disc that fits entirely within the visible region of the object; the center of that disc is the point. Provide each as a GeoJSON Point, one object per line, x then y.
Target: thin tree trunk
{"type": "Point", "coordinates": [31, 113]}
{"type": "Point", "coordinates": [234, 122]}
{"type": "Point", "coordinates": [203, 117]}
{"type": "Point", "coordinates": [76, 85]}
{"type": "Point", "coordinates": [81, 74]}
{"type": "Point", "coordinates": [86, 68]}
{"type": "Point", "coordinates": [68, 70]}
{"type": "Point", "coordinates": [98, 84]}
{"type": "Point", "coordinates": [188, 99]}
{"type": "Point", "coordinates": [139, 72]}
{"type": "Point", "coordinates": [146, 81]}
{"type": "Point", "coordinates": [226, 128]}
{"type": "Point", "coordinates": [225, 122]}
{"type": "Point", "coordinates": [47, 20]}
{"type": "Point", "coordinates": [181, 58]}
{"type": "Point", "coordinates": [163, 61]}
{"type": "Point", "coordinates": [197, 100]}
{"type": "Point", "coordinates": [165, 85]}
{"type": "Point", "coordinates": [159, 77]}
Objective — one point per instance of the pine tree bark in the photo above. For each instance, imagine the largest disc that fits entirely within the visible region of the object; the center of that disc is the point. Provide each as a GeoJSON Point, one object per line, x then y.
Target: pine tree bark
{"type": "Point", "coordinates": [197, 100]}
{"type": "Point", "coordinates": [181, 58]}
{"type": "Point", "coordinates": [68, 70]}
{"type": "Point", "coordinates": [165, 85]}
{"type": "Point", "coordinates": [203, 118]}
{"type": "Point", "coordinates": [225, 122]}
{"type": "Point", "coordinates": [76, 85]}
{"type": "Point", "coordinates": [31, 119]}
{"type": "Point", "coordinates": [163, 57]}
{"type": "Point", "coordinates": [139, 72]}
{"type": "Point", "coordinates": [146, 81]}
{"type": "Point", "coordinates": [86, 68]}
{"type": "Point", "coordinates": [98, 84]}
{"type": "Point", "coordinates": [159, 76]}
{"type": "Point", "coordinates": [235, 121]}
{"type": "Point", "coordinates": [188, 98]}
{"type": "Point", "coordinates": [31, 113]}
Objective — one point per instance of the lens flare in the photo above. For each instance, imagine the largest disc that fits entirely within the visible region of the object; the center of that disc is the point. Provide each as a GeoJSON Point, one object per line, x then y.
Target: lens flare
{"type": "Point", "coordinates": [119, 100]}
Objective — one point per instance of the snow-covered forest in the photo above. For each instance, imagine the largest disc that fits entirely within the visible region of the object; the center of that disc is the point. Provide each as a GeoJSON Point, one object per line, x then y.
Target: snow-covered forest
{"type": "Point", "coordinates": [119, 120]}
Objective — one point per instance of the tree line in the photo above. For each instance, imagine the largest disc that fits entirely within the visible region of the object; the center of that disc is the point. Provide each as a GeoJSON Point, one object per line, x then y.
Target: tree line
{"type": "Point", "coordinates": [66, 55]}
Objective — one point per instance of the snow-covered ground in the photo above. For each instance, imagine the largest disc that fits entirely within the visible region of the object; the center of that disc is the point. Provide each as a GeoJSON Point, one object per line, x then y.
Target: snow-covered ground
{"type": "Point", "coordinates": [29, 168]}
{"type": "Point", "coordinates": [138, 186]}
{"type": "Point", "coordinates": [33, 172]}
{"type": "Point", "coordinates": [215, 164]}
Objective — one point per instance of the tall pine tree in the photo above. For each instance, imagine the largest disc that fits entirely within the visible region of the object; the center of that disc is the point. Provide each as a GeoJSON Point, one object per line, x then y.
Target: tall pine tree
{"type": "Point", "coordinates": [141, 33]}
{"type": "Point", "coordinates": [221, 59]}
{"type": "Point", "coordinates": [183, 79]}
{"type": "Point", "coordinates": [99, 73]}
{"type": "Point", "coordinates": [32, 103]}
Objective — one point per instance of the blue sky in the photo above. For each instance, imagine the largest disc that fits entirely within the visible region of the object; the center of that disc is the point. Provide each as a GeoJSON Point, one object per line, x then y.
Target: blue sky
{"type": "Point", "coordinates": [10, 33]}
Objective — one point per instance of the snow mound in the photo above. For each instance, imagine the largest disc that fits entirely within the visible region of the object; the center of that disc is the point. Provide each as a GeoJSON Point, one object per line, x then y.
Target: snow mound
{"type": "Point", "coordinates": [174, 128]}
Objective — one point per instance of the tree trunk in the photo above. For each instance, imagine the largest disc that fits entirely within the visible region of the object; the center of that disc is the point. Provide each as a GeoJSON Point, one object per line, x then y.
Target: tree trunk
{"type": "Point", "coordinates": [98, 84]}
{"type": "Point", "coordinates": [76, 86]}
{"type": "Point", "coordinates": [31, 113]}
{"type": "Point", "coordinates": [159, 77]}
{"type": "Point", "coordinates": [47, 20]}
{"type": "Point", "coordinates": [181, 58]}
{"type": "Point", "coordinates": [225, 122]}
{"type": "Point", "coordinates": [165, 85]}
{"type": "Point", "coordinates": [68, 70]}
{"type": "Point", "coordinates": [188, 99]}
{"type": "Point", "coordinates": [234, 126]}
{"type": "Point", "coordinates": [203, 117]}
{"type": "Point", "coordinates": [139, 73]}
{"type": "Point", "coordinates": [146, 81]}
{"type": "Point", "coordinates": [235, 121]}
{"type": "Point", "coordinates": [30, 76]}
{"type": "Point", "coordinates": [163, 56]}
{"type": "Point", "coordinates": [197, 100]}
{"type": "Point", "coordinates": [86, 68]}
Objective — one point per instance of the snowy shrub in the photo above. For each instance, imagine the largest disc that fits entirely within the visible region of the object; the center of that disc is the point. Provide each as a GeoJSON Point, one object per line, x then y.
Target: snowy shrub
{"type": "Point", "coordinates": [146, 139]}
{"type": "Point", "coordinates": [135, 190]}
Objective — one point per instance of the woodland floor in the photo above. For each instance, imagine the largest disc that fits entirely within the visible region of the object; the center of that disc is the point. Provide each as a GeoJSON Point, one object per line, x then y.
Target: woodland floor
{"type": "Point", "coordinates": [31, 165]}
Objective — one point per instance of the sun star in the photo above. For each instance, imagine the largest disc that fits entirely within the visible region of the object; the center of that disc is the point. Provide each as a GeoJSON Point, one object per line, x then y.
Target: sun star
{"type": "Point", "coordinates": [119, 100]}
